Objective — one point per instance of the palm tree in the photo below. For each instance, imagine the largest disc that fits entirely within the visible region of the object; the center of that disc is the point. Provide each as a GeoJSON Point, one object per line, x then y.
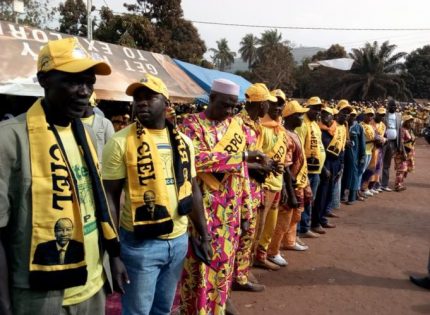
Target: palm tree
{"type": "Point", "coordinates": [376, 73]}
{"type": "Point", "coordinates": [270, 40]}
{"type": "Point", "coordinates": [248, 49]}
{"type": "Point", "coordinates": [222, 57]}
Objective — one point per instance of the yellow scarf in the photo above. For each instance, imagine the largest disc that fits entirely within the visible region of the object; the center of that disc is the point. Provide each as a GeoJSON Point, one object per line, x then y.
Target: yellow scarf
{"type": "Point", "coordinates": [312, 145]}
{"type": "Point", "coordinates": [337, 143]}
{"type": "Point", "coordinates": [55, 199]}
{"type": "Point", "coordinates": [233, 141]}
{"type": "Point", "coordinates": [369, 133]}
{"type": "Point", "coordinates": [279, 150]}
{"type": "Point", "coordinates": [151, 210]}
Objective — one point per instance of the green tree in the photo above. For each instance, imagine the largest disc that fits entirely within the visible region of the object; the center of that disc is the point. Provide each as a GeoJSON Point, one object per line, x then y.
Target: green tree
{"type": "Point", "coordinates": [333, 52]}
{"type": "Point", "coordinates": [130, 30]}
{"type": "Point", "coordinates": [73, 17]}
{"type": "Point", "coordinates": [176, 36]}
{"type": "Point", "coordinates": [275, 63]}
{"type": "Point", "coordinates": [222, 56]}
{"type": "Point", "coordinates": [248, 49]}
{"type": "Point", "coordinates": [322, 81]}
{"type": "Point", "coordinates": [376, 73]}
{"type": "Point", "coordinates": [418, 70]}
{"type": "Point", "coordinates": [36, 13]}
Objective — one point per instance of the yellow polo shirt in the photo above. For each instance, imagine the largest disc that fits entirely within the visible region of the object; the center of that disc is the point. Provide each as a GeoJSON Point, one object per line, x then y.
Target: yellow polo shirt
{"type": "Point", "coordinates": [115, 168]}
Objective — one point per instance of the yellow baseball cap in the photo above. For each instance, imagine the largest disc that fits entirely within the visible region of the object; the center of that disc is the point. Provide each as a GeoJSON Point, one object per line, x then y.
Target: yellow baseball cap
{"type": "Point", "coordinates": [293, 107]}
{"type": "Point", "coordinates": [342, 104]}
{"type": "Point", "coordinates": [407, 117]}
{"type": "Point", "coordinates": [353, 112]}
{"type": "Point", "coordinates": [258, 92]}
{"type": "Point", "coordinates": [278, 93]}
{"type": "Point", "coordinates": [381, 111]}
{"type": "Point", "coordinates": [151, 82]}
{"type": "Point", "coordinates": [68, 55]}
{"type": "Point", "coordinates": [369, 110]}
{"type": "Point", "coordinates": [314, 100]}
{"type": "Point", "coordinates": [328, 110]}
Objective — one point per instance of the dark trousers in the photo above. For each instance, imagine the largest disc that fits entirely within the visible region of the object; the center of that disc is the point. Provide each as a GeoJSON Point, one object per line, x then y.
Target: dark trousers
{"type": "Point", "coordinates": [305, 222]}
{"type": "Point", "coordinates": [389, 150]}
{"type": "Point", "coordinates": [322, 200]}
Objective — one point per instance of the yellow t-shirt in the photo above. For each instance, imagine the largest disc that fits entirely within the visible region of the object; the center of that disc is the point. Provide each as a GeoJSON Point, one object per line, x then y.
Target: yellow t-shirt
{"type": "Point", "coordinates": [302, 132]}
{"type": "Point", "coordinates": [89, 120]}
{"type": "Point", "coordinates": [93, 258]}
{"type": "Point", "coordinates": [273, 182]}
{"type": "Point", "coordinates": [114, 167]}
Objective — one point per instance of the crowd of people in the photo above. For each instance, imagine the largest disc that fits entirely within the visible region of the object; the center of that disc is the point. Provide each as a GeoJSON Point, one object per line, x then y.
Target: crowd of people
{"type": "Point", "coordinates": [173, 209]}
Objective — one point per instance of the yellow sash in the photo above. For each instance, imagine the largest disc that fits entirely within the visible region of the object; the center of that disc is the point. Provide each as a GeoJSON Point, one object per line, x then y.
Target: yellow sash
{"type": "Point", "coordinates": [151, 210]}
{"type": "Point", "coordinates": [56, 209]}
{"type": "Point", "coordinates": [337, 143]}
{"type": "Point", "coordinates": [233, 141]}
{"type": "Point", "coordinates": [302, 175]}
{"type": "Point", "coordinates": [279, 150]}
{"type": "Point", "coordinates": [369, 133]}
{"type": "Point", "coordinates": [312, 145]}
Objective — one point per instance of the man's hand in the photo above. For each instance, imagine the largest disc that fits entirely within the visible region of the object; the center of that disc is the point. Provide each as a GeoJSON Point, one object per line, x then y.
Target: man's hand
{"type": "Point", "coordinates": [327, 173]}
{"type": "Point", "coordinates": [119, 274]}
{"type": "Point", "coordinates": [292, 202]}
{"type": "Point", "coordinates": [284, 196]}
{"type": "Point", "coordinates": [256, 156]}
{"type": "Point", "coordinates": [206, 249]}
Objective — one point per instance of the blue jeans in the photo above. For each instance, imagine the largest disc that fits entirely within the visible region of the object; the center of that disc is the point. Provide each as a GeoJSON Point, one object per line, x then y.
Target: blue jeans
{"type": "Point", "coordinates": [154, 267]}
{"type": "Point", "coordinates": [305, 222]}
{"type": "Point", "coordinates": [367, 160]}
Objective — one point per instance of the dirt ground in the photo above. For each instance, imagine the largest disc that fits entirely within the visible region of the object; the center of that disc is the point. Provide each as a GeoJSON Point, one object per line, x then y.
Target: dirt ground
{"type": "Point", "coordinates": [363, 265]}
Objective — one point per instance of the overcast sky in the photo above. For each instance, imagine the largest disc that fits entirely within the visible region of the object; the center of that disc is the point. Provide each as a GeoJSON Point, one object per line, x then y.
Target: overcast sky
{"type": "Point", "coordinates": [308, 13]}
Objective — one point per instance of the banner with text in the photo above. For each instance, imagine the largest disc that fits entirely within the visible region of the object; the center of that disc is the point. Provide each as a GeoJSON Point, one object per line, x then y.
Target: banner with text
{"type": "Point", "coordinates": [21, 44]}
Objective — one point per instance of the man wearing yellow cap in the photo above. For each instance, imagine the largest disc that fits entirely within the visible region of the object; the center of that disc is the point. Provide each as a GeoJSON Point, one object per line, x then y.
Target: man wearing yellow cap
{"type": "Point", "coordinates": [297, 187]}
{"type": "Point", "coordinates": [310, 135]}
{"type": "Point", "coordinates": [50, 189]}
{"type": "Point", "coordinates": [369, 134]}
{"type": "Point", "coordinates": [257, 104]}
{"type": "Point", "coordinates": [354, 159]}
{"type": "Point", "coordinates": [221, 155]}
{"type": "Point", "coordinates": [334, 139]}
{"type": "Point", "coordinates": [275, 146]}
{"type": "Point", "coordinates": [371, 180]}
{"type": "Point", "coordinates": [154, 164]}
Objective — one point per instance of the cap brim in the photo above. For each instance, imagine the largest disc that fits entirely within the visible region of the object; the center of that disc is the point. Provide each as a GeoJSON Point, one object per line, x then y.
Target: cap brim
{"type": "Point", "coordinates": [133, 87]}
{"type": "Point", "coordinates": [345, 106]}
{"type": "Point", "coordinates": [318, 104]}
{"type": "Point", "coordinates": [298, 111]}
{"type": "Point", "coordinates": [80, 65]}
{"type": "Point", "coordinates": [272, 98]}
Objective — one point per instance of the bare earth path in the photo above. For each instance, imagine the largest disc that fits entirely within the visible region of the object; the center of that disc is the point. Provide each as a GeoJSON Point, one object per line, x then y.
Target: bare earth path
{"type": "Point", "coordinates": [363, 265]}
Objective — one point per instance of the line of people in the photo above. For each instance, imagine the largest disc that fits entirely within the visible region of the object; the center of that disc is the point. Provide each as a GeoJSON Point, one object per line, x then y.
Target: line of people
{"type": "Point", "coordinates": [174, 215]}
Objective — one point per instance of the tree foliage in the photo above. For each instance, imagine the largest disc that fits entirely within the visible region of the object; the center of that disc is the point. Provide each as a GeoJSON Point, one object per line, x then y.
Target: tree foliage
{"type": "Point", "coordinates": [376, 73]}
{"type": "Point", "coordinates": [73, 17]}
{"type": "Point", "coordinates": [418, 72]}
{"type": "Point", "coordinates": [333, 52]}
{"type": "Point", "coordinates": [274, 64]}
{"type": "Point", "coordinates": [222, 56]}
{"type": "Point", "coordinates": [248, 49]}
{"type": "Point", "coordinates": [174, 35]}
{"type": "Point", "coordinates": [36, 13]}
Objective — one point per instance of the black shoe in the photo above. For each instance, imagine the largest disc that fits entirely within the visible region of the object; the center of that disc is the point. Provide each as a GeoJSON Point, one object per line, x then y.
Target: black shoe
{"type": "Point", "coordinates": [421, 282]}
